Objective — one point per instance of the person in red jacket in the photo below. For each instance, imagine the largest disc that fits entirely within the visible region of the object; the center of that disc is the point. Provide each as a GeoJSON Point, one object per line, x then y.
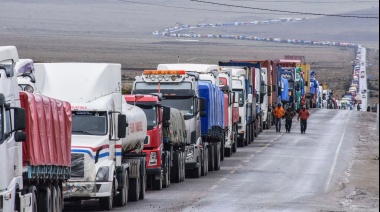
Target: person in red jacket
{"type": "Point", "coordinates": [304, 115]}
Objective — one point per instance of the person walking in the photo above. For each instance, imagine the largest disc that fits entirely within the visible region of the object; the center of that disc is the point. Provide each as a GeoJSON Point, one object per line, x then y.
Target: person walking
{"type": "Point", "coordinates": [304, 115]}
{"type": "Point", "coordinates": [278, 112]}
{"type": "Point", "coordinates": [289, 114]}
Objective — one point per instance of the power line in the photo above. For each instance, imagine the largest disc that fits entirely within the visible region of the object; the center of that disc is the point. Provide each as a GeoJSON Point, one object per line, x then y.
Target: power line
{"type": "Point", "coordinates": [198, 9]}
{"type": "Point", "coordinates": [190, 8]}
{"type": "Point", "coordinates": [285, 11]}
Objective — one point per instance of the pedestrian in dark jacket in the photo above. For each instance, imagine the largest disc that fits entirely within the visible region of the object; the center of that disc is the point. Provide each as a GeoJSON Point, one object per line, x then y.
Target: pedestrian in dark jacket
{"type": "Point", "coordinates": [289, 114]}
{"type": "Point", "coordinates": [304, 115]}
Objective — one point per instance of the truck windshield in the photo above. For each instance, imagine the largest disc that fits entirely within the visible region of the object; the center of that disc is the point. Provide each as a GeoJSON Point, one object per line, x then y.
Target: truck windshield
{"type": "Point", "coordinates": [151, 116]}
{"type": "Point", "coordinates": [89, 123]}
{"type": "Point", "coordinates": [241, 97]}
{"type": "Point", "coordinates": [185, 105]}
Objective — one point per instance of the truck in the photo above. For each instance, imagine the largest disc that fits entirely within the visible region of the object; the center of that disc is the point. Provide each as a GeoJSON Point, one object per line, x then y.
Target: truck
{"type": "Point", "coordinates": [243, 74]}
{"type": "Point", "coordinates": [107, 162]}
{"type": "Point", "coordinates": [231, 111]}
{"type": "Point", "coordinates": [165, 141]}
{"type": "Point", "coordinates": [35, 139]}
{"type": "Point", "coordinates": [207, 73]}
{"type": "Point", "coordinates": [179, 89]}
{"type": "Point", "coordinates": [288, 72]}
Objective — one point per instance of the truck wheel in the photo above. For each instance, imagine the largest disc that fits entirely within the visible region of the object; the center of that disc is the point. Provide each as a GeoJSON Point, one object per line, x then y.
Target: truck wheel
{"type": "Point", "coordinates": [165, 180]}
{"type": "Point", "coordinates": [44, 200]}
{"type": "Point", "coordinates": [156, 184]}
{"type": "Point", "coordinates": [204, 163]}
{"type": "Point", "coordinates": [175, 174]}
{"type": "Point", "coordinates": [217, 148]}
{"type": "Point", "coordinates": [134, 189]}
{"type": "Point", "coordinates": [122, 198]}
{"type": "Point", "coordinates": [106, 203]}
{"type": "Point", "coordinates": [54, 199]}
{"type": "Point", "coordinates": [211, 158]}
{"type": "Point", "coordinates": [197, 172]}
{"type": "Point", "coordinates": [228, 152]}
{"type": "Point", "coordinates": [222, 150]}
{"type": "Point", "coordinates": [143, 185]}
{"type": "Point", "coordinates": [235, 137]}
{"type": "Point", "coordinates": [59, 197]}
{"type": "Point", "coordinates": [183, 161]}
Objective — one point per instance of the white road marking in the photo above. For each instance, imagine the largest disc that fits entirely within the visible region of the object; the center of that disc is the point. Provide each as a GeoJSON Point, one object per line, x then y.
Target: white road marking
{"type": "Point", "coordinates": [336, 154]}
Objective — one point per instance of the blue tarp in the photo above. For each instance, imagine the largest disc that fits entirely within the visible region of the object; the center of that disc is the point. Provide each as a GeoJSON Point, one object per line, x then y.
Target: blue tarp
{"type": "Point", "coordinates": [284, 90]}
{"type": "Point", "coordinates": [214, 106]}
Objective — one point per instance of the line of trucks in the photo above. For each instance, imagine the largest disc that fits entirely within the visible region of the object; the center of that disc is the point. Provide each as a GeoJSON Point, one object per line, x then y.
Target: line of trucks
{"type": "Point", "coordinates": [67, 132]}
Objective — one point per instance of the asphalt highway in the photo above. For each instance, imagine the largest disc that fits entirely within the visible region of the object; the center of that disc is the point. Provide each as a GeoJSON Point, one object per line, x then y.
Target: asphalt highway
{"type": "Point", "coordinates": [278, 172]}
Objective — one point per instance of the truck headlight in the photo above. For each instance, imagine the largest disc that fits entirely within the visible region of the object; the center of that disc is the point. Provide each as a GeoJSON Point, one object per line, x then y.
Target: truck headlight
{"type": "Point", "coordinates": [153, 159]}
{"type": "Point", "coordinates": [29, 89]}
{"type": "Point", "coordinates": [103, 174]}
{"type": "Point", "coordinates": [190, 153]}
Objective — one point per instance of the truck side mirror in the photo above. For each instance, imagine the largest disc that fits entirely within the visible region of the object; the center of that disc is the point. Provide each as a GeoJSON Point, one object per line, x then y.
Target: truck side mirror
{"type": "Point", "coordinates": [262, 99]}
{"type": "Point", "coordinates": [166, 114]}
{"type": "Point", "coordinates": [166, 124]}
{"type": "Point", "coordinates": [306, 83]}
{"type": "Point", "coordinates": [202, 104]}
{"type": "Point", "coordinates": [20, 136]}
{"type": "Point", "coordinates": [269, 93]}
{"type": "Point", "coordinates": [20, 116]}
{"type": "Point", "coordinates": [225, 88]}
{"type": "Point", "coordinates": [122, 126]}
{"type": "Point", "coordinates": [2, 99]}
{"type": "Point", "coordinates": [202, 114]}
{"type": "Point", "coordinates": [273, 87]}
{"type": "Point", "coordinates": [250, 98]}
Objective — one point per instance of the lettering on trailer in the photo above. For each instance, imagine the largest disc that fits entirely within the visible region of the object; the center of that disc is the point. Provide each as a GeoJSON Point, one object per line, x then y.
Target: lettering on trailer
{"type": "Point", "coordinates": [287, 75]}
{"type": "Point", "coordinates": [78, 107]}
{"type": "Point", "coordinates": [136, 127]}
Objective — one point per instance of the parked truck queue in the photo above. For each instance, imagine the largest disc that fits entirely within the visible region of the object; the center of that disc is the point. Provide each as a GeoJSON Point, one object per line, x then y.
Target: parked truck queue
{"type": "Point", "coordinates": [68, 133]}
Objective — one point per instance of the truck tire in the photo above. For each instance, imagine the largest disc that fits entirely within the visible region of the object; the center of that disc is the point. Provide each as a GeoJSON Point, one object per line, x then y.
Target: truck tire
{"type": "Point", "coordinates": [166, 180]}
{"type": "Point", "coordinates": [197, 172]}
{"type": "Point", "coordinates": [235, 138]}
{"type": "Point", "coordinates": [54, 199]}
{"type": "Point", "coordinates": [44, 200]}
{"type": "Point", "coordinates": [156, 184]}
{"type": "Point", "coordinates": [204, 163]}
{"type": "Point", "coordinates": [122, 198]}
{"type": "Point", "coordinates": [134, 189]}
{"type": "Point", "coordinates": [228, 152]}
{"type": "Point", "coordinates": [106, 203]}
{"type": "Point", "coordinates": [211, 158]}
{"type": "Point", "coordinates": [34, 201]}
{"type": "Point", "coordinates": [59, 197]}
{"type": "Point", "coordinates": [217, 148]}
{"type": "Point", "coordinates": [143, 183]}
{"type": "Point", "coordinates": [222, 150]}
{"type": "Point", "coordinates": [183, 166]}
{"type": "Point", "coordinates": [175, 174]}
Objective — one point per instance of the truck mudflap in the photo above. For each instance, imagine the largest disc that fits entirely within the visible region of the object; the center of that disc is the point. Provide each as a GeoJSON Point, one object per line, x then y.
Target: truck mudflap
{"type": "Point", "coordinates": [86, 189]}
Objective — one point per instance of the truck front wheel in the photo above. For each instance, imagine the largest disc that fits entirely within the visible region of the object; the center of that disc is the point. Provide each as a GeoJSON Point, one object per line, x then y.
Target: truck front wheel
{"type": "Point", "coordinates": [106, 203]}
{"type": "Point", "coordinates": [204, 163]}
{"type": "Point", "coordinates": [122, 198]}
{"type": "Point", "coordinates": [44, 200]}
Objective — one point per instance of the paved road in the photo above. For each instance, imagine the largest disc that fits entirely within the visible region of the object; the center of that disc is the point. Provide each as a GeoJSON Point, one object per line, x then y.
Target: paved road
{"type": "Point", "coordinates": [363, 81]}
{"type": "Point", "coordinates": [278, 172]}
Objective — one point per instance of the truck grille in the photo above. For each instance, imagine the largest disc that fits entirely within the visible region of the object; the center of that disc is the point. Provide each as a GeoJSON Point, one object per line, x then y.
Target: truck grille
{"type": "Point", "coordinates": [77, 165]}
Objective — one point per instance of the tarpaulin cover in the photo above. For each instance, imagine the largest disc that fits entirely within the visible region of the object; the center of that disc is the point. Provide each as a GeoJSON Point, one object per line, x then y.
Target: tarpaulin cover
{"type": "Point", "coordinates": [214, 106]}
{"type": "Point", "coordinates": [48, 130]}
{"type": "Point", "coordinates": [284, 91]}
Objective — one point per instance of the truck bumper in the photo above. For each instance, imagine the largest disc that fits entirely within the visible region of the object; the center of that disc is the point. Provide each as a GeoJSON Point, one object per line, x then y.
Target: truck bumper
{"type": "Point", "coordinates": [191, 165]}
{"type": "Point", "coordinates": [153, 171]}
{"type": "Point", "coordinates": [87, 189]}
